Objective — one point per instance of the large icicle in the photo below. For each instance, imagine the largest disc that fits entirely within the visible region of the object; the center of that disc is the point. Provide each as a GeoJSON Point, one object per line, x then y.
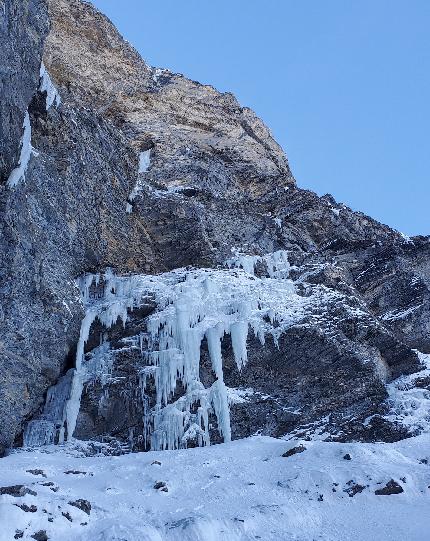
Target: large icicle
{"type": "Point", "coordinates": [144, 161]}
{"type": "Point", "coordinates": [206, 304]}
{"type": "Point", "coordinates": [74, 402]}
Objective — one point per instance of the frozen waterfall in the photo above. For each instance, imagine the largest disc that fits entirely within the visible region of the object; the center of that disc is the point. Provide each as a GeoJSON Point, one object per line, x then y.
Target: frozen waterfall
{"type": "Point", "coordinates": [192, 305]}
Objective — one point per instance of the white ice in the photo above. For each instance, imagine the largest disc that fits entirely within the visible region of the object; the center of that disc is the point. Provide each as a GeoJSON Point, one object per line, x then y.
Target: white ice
{"type": "Point", "coordinates": [18, 174]}
{"type": "Point", "coordinates": [192, 305]}
{"type": "Point", "coordinates": [144, 161]}
{"type": "Point", "coordinates": [46, 85]}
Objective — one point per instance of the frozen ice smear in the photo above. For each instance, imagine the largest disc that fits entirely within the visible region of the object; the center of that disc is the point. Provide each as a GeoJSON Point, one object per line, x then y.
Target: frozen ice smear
{"type": "Point", "coordinates": [410, 404]}
{"type": "Point", "coordinates": [18, 174]}
{"type": "Point", "coordinates": [192, 305]}
{"type": "Point", "coordinates": [144, 163]}
{"type": "Point", "coordinates": [276, 263]}
{"type": "Point", "coordinates": [46, 85]}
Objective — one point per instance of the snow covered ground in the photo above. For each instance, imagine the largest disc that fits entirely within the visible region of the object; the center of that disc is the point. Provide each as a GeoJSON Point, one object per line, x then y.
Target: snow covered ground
{"type": "Point", "coordinates": [237, 491]}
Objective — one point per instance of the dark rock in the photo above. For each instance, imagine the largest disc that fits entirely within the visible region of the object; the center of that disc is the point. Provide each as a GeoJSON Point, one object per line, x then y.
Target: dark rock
{"type": "Point", "coordinates": [40, 536]}
{"type": "Point", "coordinates": [392, 487]}
{"type": "Point", "coordinates": [198, 200]}
{"type": "Point", "coordinates": [83, 505]}
{"type": "Point", "coordinates": [67, 515]}
{"type": "Point", "coordinates": [347, 456]}
{"type": "Point", "coordinates": [22, 32]}
{"type": "Point", "coordinates": [17, 491]}
{"type": "Point", "coordinates": [19, 534]}
{"type": "Point", "coordinates": [161, 485]}
{"type": "Point", "coordinates": [294, 451]}
{"type": "Point", "coordinates": [37, 472]}
{"type": "Point", "coordinates": [353, 488]}
{"type": "Point", "coordinates": [26, 508]}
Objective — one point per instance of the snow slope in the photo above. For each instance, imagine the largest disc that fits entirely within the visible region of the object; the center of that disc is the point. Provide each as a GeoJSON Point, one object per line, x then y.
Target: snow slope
{"type": "Point", "coordinates": [237, 491]}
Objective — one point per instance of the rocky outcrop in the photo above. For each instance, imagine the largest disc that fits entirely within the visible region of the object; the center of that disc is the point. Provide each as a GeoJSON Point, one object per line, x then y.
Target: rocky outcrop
{"type": "Point", "coordinates": [144, 171]}
{"type": "Point", "coordinates": [23, 27]}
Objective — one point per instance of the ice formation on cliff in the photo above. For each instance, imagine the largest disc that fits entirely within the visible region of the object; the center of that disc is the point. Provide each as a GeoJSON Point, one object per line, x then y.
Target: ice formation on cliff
{"type": "Point", "coordinates": [192, 305]}
{"type": "Point", "coordinates": [46, 85]}
{"type": "Point", "coordinates": [144, 163]}
{"type": "Point", "coordinates": [18, 174]}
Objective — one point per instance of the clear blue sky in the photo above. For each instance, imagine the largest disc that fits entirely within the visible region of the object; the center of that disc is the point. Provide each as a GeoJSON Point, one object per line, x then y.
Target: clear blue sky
{"type": "Point", "coordinates": [344, 85]}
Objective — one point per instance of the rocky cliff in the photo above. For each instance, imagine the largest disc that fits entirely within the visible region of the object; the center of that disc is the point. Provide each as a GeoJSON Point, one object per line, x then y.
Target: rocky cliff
{"type": "Point", "coordinates": [126, 191]}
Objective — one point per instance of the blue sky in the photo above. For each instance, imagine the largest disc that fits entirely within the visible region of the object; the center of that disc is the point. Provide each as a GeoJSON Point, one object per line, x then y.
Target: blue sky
{"type": "Point", "coordinates": [344, 85]}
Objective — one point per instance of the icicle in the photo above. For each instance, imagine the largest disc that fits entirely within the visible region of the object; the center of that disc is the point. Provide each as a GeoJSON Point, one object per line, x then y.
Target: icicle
{"type": "Point", "coordinates": [221, 408]}
{"type": "Point", "coordinates": [278, 265]}
{"type": "Point", "coordinates": [239, 334]}
{"type": "Point", "coordinates": [73, 404]}
{"type": "Point", "coordinates": [88, 320]}
{"type": "Point", "coordinates": [213, 336]}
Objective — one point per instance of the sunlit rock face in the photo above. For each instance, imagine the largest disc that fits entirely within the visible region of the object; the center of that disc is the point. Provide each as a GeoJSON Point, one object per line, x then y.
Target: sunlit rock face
{"type": "Point", "coordinates": [314, 309]}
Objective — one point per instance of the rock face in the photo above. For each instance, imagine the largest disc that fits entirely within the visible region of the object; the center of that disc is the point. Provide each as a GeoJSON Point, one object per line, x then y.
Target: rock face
{"type": "Point", "coordinates": [144, 171]}
{"type": "Point", "coordinates": [23, 27]}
